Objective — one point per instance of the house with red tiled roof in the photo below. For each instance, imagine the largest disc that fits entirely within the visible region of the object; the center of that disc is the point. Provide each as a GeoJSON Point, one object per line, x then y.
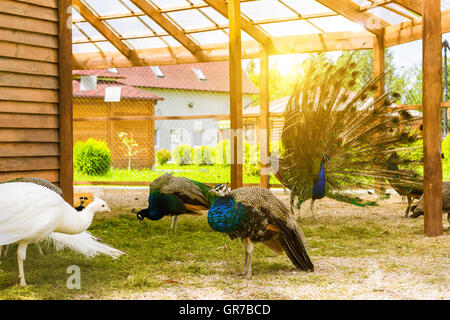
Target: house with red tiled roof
{"type": "Point", "coordinates": [99, 100]}
{"type": "Point", "coordinates": [175, 90]}
{"type": "Point", "coordinates": [188, 89]}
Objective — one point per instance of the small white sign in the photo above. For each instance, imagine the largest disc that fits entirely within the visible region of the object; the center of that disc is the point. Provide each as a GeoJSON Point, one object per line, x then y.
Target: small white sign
{"type": "Point", "coordinates": [88, 83]}
{"type": "Point", "coordinates": [112, 94]}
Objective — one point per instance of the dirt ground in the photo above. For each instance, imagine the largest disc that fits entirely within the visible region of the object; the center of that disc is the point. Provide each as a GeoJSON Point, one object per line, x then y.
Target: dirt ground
{"type": "Point", "coordinates": [421, 275]}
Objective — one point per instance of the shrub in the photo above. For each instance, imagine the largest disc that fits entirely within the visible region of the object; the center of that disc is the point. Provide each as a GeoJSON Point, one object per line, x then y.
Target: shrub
{"type": "Point", "coordinates": [223, 152]}
{"type": "Point", "coordinates": [92, 157]}
{"type": "Point", "coordinates": [446, 152]}
{"type": "Point", "coordinates": [203, 155]}
{"type": "Point", "coordinates": [252, 169]}
{"type": "Point", "coordinates": [276, 148]}
{"type": "Point", "coordinates": [182, 154]}
{"type": "Point", "coordinates": [162, 156]}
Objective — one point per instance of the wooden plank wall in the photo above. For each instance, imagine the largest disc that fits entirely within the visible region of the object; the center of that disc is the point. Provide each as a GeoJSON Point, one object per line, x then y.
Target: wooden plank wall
{"type": "Point", "coordinates": [108, 130]}
{"type": "Point", "coordinates": [29, 90]}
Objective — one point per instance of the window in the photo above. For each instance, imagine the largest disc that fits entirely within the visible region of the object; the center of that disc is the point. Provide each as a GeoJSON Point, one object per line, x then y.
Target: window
{"type": "Point", "coordinates": [113, 70]}
{"type": "Point", "coordinates": [157, 138]}
{"type": "Point", "coordinates": [199, 74]}
{"type": "Point", "coordinates": [157, 71]}
{"type": "Point", "coordinates": [198, 134]}
{"type": "Point", "coordinates": [176, 138]}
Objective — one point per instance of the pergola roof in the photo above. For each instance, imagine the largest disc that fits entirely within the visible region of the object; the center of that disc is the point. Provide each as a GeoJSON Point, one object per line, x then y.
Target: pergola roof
{"type": "Point", "coordinates": [124, 33]}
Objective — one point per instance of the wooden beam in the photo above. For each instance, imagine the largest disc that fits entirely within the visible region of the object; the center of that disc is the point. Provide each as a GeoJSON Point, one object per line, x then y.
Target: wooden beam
{"type": "Point", "coordinates": [353, 12]}
{"type": "Point", "coordinates": [412, 5]}
{"type": "Point", "coordinates": [246, 24]}
{"type": "Point", "coordinates": [234, 16]}
{"type": "Point", "coordinates": [379, 69]}
{"type": "Point", "coordinates": [432, 99]}
{"type": "Point", "coordinates": [169, 27]}
{"type": "Point", "coordinates": [95, 22]}
{"type": "Point", "coordinates": [411, 30]}
{"type": "Point", "coordinates": [264, 120]}
{"type": "Point", "coordinates": [321, 42]}
{"type": "Point", "coordinates": [379, 63]}
{"type": "Point", "coordinates": [65, 102]}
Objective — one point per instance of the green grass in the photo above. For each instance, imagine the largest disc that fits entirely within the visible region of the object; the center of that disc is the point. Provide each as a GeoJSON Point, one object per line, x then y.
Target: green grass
{"type": "Point", "coordinates": [157, 259]}
{"type": "Point", "coordinates": [208, 174]}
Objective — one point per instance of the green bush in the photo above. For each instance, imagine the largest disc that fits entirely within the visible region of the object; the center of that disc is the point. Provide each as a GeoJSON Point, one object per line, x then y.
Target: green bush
{"type": "Point", "coordinates": [203, 155]}
{"type": "Point", "coordinates": [276, 148]}
{"type": "Point", "coordinates": [182, 154]}
{"type": "Point", "coordinates": [92, 157]}
{"type": "Point", "coordinates": [446, 151]}
{"type": "Point", "coordinates": [252, 169]}
{"type": "Point", "coordinates": [162, 156]}
{"type": "Point", "coordinates": [222, 152]}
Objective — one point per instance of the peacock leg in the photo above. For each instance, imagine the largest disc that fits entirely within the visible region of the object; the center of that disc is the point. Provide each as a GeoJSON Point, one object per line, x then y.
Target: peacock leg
{"type": "Point", "coordinates": [312, 208]}
{"type": "Point", "coordinates": [21, 256]}
{"type": "Point", "coordinates": [410, 200]}
{"type": "Point", "coordinates": [173, 225]}
{"type": "Point", "coordinates": [39, 249]}
{"type": "Point", "coordinates": [244, 245]}
{"type": "Point", "coordinates": [448, 219]}
{"type": "Point", "coordinates": [5, 251]}
{"type": "Point", "coordinates": [250, 258]}
{"type": "Point", "coordinates": [1, 249]}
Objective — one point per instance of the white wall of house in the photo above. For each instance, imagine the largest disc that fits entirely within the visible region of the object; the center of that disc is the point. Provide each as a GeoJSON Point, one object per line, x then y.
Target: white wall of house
{"type": "Point", "coordinates": [170, 133]}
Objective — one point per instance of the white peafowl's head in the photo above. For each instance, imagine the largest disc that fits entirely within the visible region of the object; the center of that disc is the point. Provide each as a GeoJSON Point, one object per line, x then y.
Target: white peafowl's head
{"type": "Point", "coordinates": [98, 205]}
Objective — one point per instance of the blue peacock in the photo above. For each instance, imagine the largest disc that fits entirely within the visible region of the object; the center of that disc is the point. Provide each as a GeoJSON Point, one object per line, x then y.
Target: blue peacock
{"type": "Point", "coordinates": [254, 214]}
{"type": "Point", "coordinates": [174, 196]}
{"type": "Point", "coordinates": [337, 137]}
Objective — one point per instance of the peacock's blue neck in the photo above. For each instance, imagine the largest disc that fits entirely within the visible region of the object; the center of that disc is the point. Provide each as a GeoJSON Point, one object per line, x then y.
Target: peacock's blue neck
{"type": "Point", "coordinates": [226, 215]}
{"type": "Point", "coordinates": [154, 212]}
{"type": "Point", "coordinates": [319, 186]}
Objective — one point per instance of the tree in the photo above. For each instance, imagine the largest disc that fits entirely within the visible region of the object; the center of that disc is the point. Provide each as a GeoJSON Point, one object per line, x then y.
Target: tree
{"type": "Point", "coordinates": [130, 146]}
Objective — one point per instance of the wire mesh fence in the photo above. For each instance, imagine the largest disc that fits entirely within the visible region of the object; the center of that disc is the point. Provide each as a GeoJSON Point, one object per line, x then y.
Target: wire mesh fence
{"type": "Point", "coordinates": [177, 118]}
{"type": "Point", "coordinates": [163, 119]}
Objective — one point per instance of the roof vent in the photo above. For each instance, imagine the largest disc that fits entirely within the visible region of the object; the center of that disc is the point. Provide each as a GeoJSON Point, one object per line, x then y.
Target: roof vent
{"type": "Point", "coordinates": [199, 74]}
{"type": "Point", "coordinates": [157, 71]}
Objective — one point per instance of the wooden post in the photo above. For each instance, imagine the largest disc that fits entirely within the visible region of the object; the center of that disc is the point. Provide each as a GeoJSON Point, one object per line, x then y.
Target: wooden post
{"type": "Point", "coordinates": [432, 96]}
{"type": "Point", "coordinates": [264, 136]}
{"type": "Point", "coordinates": [378, 69]}
{"type": "Point", "coordinates": [65, 100]}
{"type": "Point", "coordinates": [234, 16]}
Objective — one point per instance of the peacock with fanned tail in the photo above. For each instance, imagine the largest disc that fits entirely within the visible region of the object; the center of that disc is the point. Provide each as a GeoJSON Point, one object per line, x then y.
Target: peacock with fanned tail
{"type": "Point", "coordinates": [174, 196]}
{"type": "Point", "coordinates": [254, 214]}
{"type": "Point", "coordinates": [337, 138]}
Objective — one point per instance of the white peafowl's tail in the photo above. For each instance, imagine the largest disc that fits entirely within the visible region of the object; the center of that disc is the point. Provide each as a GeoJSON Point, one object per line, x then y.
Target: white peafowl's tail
{"type": "Point", "coordinates": [84, 243]}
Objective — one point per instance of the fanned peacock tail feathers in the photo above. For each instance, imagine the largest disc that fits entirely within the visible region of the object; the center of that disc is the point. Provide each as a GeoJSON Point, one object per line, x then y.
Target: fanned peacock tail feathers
{"type": "Point", "coordinates": [328, 116]}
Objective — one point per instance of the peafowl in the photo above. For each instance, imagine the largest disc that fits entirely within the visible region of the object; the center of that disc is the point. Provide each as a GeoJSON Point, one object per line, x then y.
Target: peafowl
{"type": "Point", "coordinates": [254, 214]}
{"type": "Point", "coordinates": [173, 196]}
{"type": "Point", "coordinates": [337, 138]}
{"type": "Point", "coordinates": [41, 182]}
{"type": "Point", "coordinates": [30, 213]}
{"type": "Point", "coordinates": [406, 183]}
{"type": "Point", "coordinates": [418, 210]}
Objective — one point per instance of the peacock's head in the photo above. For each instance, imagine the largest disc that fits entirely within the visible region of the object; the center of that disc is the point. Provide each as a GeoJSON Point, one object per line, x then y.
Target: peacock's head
{"type": "Point", "coordinates": [222, 190]}
{"type": "Point", "coordinates": [98, 205]}
{"type": "Point", "coordinates": [147, 213]}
